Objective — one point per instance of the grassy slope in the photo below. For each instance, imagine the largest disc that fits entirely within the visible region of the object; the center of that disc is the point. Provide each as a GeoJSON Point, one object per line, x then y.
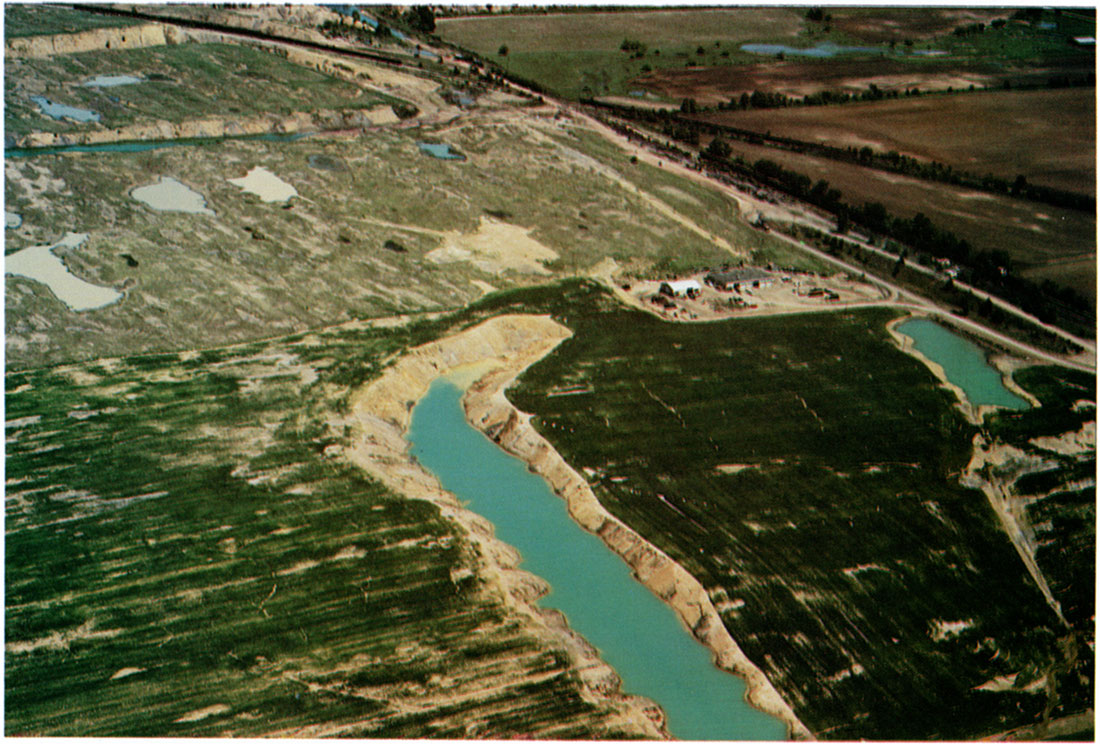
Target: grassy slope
{"type": "Point", "coordinates": [42, 20]}
{"type": "Point", "coordinates": [177, 506]}
{"type": "Point", "coordinates": [846, 541]}
{"type": "Point", "coordinates": [706, 206]}
{"type": "Point", "coordinates": [202, 80]}
{"type": "Point", "coordinates": [203, 281]}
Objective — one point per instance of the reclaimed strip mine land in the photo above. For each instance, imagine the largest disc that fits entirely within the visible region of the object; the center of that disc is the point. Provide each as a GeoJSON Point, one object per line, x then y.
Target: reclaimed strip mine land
{"type": "Point", "coordinates": [315, 317]}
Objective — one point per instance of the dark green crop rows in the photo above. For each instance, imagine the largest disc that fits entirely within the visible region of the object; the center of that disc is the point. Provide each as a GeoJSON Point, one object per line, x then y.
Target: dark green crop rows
{"type": "Point", "coordinates": [873, 590]}
{"type": "Point", "coordinates": [179, 542]}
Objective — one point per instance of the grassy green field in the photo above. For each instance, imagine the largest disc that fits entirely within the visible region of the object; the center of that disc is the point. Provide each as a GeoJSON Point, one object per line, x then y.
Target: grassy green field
{"type": "Point", "coordinates": [218, 560]}
{"type": "Point", "coordinates": [837, 522]}
{"type": "Point", "coordinates": [182, 81]}
{"type": "Point", "coordinates": [202, 280]}
{"type": "Point", "coordinates": [577, 54]}
{"type": "Point", "coordinates": [41, 20]}
{"type": "Point", "coordinates": [185, 556]}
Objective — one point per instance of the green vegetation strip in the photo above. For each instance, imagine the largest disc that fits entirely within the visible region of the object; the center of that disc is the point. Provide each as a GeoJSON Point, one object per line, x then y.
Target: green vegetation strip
{"type": "Point", "coordinates": [1060, 498]}
{"type": "Point", "coordinates": [181, 82]}
{"type": "Point", "coordinates": [45, 20]}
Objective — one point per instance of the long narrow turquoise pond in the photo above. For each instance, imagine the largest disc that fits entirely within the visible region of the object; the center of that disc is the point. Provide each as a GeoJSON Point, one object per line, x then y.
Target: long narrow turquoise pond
{"type": "Point", "coordinates": [146, 145]}
{"type": "Point", "coordinates": [638, 635]}
{"type": "Point", "coordinates": [963, 363]}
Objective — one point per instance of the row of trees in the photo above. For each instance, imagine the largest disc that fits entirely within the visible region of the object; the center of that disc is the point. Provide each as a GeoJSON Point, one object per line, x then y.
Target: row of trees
{"type": "Point", "coordinates": [992, 271]}
{"type": "Point", "coordinates": [690, 129]}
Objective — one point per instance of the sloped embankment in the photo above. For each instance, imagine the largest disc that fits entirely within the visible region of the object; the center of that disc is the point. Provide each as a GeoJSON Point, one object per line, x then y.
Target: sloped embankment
{"type": "Point", "coordinates": [497, 351]}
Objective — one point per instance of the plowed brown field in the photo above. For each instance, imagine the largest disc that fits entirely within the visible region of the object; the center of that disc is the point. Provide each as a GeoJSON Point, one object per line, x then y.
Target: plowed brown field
{"type": "Point", "coordinates": [1049, 136]}
{"type": "Point", "coordinates": [712, 85]}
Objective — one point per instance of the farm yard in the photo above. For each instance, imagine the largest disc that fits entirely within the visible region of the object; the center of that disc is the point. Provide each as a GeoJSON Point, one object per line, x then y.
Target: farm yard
{"type": "Point", "coordinates": [697, 53]}
{"type": "Point", "coordinates": [942, 129]}
{"type": "Point", "coordinates": [577, 54]}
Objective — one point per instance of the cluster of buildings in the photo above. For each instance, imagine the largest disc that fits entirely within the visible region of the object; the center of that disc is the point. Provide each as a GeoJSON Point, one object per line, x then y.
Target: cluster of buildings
{"type": "Point", "coordinates": [733, 280]}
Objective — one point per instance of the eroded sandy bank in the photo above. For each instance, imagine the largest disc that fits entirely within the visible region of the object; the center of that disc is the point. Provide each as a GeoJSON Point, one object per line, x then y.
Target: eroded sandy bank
{"type": "Point", "coordinates": [494, 353]}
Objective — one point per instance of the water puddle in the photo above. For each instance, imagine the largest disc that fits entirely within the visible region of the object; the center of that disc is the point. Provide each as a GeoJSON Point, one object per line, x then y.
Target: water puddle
{"type": "Point", "coordinates": [266, 185]}
{"type": "Point", "coordinates": [61, 111]}
{"type": "Point", "coordinates": [111, 81]}
{"type": "Point", "coordinates": [964, 364]}
{"type": "Point", "coordinates": [638, 635]}
{"type": "Point", "coordinates": [170, 195]}
{"type": "Point", "coordinates": [40, 264]}
{"type": "Point", "coordinates": [823, 49]}
{"type": "Point", "coordinates": [438, 150]}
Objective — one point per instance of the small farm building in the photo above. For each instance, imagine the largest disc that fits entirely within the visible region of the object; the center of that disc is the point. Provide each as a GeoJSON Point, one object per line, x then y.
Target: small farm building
{"type": "Point", "coordinates": [682, 288]}
{"type": "Point", "coordinates": [739, 278]}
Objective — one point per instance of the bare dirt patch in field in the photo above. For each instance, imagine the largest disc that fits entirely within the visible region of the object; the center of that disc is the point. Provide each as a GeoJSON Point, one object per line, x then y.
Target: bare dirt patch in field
{"type": "Point", "coordinates": [711, 85]}
{"type": "Point", "coordinates": [496, 247]}
{"type": "Point", "coordinates": [939, 128]}
{"type": "Point", "coordinates": [882, 25]}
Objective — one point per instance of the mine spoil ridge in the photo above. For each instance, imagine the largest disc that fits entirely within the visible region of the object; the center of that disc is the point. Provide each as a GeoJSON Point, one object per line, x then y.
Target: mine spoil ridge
{"type": "Point", "coordinates": [496, 352]}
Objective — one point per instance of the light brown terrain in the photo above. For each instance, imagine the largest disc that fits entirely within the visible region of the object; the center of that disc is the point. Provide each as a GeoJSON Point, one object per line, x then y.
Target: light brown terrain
{"type": "Point", "coordinates": [1040, 237]}
{"type": "Point", "coordinates": [712, 85]}
{"type": "Point", "coordinates": [1049, 136]}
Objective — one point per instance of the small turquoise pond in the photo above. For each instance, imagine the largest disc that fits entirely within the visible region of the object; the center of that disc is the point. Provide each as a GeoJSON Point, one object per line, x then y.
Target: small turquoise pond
{"type": "Point", "coordinates": [824, 49]}
{"type": "Point", "coordinates": [638, 635]}
{"type": "Point", "coordinates": [443, 152]}
{"type": "Point", "coordinates": [963, 363]}
{"type": "Point", "coordinates": [61, 111]}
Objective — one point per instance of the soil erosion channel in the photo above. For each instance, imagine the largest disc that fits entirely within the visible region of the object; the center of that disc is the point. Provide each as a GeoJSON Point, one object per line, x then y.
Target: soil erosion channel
{"type": "Point", "coordinates": [635, 632]}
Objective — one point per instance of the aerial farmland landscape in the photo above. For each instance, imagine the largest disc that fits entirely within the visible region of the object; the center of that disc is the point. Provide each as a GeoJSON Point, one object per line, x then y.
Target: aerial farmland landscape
{"type": "Point", "coordinates": [564, 372]}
